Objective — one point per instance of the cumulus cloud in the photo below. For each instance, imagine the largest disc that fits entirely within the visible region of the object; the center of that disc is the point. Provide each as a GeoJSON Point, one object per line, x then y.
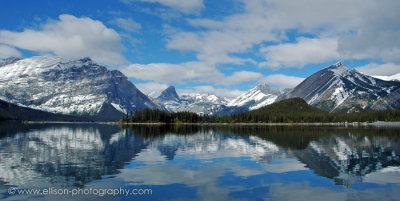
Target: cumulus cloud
{"type": "Point", "coordinates": [305, 51]}
{"type": "Point", "coordinates": [377, 36]}
{"type": "Point", "coordinates": [240, 76]}
{"type": "Point", "coordinates": [183, 72]}
{"type": "Point", "coordinates": [161, 72]}
{"type": "Point", "coordinates": [70, 37]}
{"type": "Point", "coordinates": [357, 29]}
{"type": "Point", "coordinates": [7, 51]}
{"type": "Point", "coordinates": [236, 34]}
{"type": "Point", "coordinates": [283, 81]}
{"type": "Point", "coordinates": [380, 69]}
{"type": "Point", "coordinates": [127, 24]}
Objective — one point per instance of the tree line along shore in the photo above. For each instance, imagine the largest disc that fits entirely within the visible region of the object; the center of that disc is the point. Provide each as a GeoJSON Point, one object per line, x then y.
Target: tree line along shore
{"type": "Point", "coordinates": [290, 111]}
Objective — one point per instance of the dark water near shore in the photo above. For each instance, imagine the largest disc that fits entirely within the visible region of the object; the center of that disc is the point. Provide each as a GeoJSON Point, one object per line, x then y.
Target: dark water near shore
{"type": "Point", "coordinates": [201, 163]}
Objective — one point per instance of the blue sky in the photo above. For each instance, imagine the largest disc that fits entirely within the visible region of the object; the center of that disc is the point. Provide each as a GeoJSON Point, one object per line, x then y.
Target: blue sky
{"type": "Point", "coordinates": [221, 47]}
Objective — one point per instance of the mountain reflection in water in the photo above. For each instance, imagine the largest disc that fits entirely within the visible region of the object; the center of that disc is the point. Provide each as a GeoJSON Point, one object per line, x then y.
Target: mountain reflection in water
{"type": "Point", "coordinates": [224, 162]}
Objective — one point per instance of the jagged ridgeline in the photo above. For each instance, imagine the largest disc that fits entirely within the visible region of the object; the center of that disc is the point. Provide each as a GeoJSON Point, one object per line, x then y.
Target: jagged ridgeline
{"type": "Point", "coordinates": [294, 110]}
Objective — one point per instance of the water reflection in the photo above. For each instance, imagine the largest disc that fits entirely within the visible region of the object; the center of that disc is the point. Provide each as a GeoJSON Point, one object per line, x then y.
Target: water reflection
{"type": "Point", "coordinates": [347, 158]}
{"type": "Point", "coordinates": [208, 163]}
{"type": "Point", "coordinates": [64, 155]}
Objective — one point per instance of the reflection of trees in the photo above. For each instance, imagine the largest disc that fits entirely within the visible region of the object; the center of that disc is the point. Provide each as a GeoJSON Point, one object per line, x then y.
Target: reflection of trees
{"type": "Point", "coordinates": [293, 137]}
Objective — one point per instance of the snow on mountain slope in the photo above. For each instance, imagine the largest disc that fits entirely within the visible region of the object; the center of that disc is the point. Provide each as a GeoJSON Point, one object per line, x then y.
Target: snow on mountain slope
{"type": "Point", "coordinates": [395, 77]}
{"type": "Point", "coordinates": [192, 102]}
{"type": "Point", "coordinates": [339, 88]}
{"type": "Point", "coordinates": [210, 104]}
{"type": "Point", "coordinates": [170, 99]}
{"type": "Point", "coordinates": [78, 87]}
{"type": "Point", "coordinates": [202, 103]}
{"type": "Point", "coordinates": [257, 97]}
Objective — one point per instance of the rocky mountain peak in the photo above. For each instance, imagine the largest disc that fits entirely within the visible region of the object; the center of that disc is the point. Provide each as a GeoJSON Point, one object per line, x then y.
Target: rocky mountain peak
{"type": "Point", "coordinates": [339, 69]}
{"type": "Point", "coordinates": [169, 94]}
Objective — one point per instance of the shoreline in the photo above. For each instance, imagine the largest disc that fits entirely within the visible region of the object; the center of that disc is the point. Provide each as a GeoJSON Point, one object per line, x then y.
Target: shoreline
{"type": "Point", "coordinates": [353, 124]}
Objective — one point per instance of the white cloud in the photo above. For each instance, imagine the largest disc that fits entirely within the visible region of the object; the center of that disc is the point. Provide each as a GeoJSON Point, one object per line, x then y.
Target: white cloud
{"type": "Point", "coordinates": [151, 88]}
{"type": "Point", "coordinates": [305, 51]}
{"type": "Point", "coordinates": [161, 72]}
{"type": "Point", "coordinates": [70, 37]}
{"type": "Point", "coordinates": [127, 24]}
{"type": "Point", "coordinates": [233, 35]}
{"type": "Point", "coordinates": [380, 69]}
{"type": "Point", "coordinates": [240, 76]}
{"type": "Point", "coordinates": [186, 41]}
{"type": "Point", "coordinates": [284, 81]}
{"type": "Point", "coordinates": [7, 51]}
{"type": "Point", "coordinates": [377, 35]}
{"type": "Point", "coordinates": [183, 72]}
{"type": "Point", "coordinates": [186, 6]}
{"type": "Point", "coordinates": [364, 29]}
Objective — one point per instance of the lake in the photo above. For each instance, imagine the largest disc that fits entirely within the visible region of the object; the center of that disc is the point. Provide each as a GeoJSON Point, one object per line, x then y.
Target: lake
{"type": "Point", "coordinates": [109, 162]}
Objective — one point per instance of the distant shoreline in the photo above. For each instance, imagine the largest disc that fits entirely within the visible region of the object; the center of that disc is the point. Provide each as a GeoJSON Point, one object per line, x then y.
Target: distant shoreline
{"type": "Point", "coordinates": [354, 124]}
{"type": "Point", "coordinates": [379, 123]}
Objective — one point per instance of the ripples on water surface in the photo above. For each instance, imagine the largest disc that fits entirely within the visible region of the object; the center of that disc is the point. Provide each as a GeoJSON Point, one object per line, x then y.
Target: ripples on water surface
{"type": "Point", "coordinates": [202, 163]}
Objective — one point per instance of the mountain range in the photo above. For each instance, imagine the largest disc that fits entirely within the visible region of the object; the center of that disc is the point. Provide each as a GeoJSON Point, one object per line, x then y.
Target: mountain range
{"type": "Point", "coordinates": [82, 88]}
{"type": "Point", "coordinates": [196, 102]}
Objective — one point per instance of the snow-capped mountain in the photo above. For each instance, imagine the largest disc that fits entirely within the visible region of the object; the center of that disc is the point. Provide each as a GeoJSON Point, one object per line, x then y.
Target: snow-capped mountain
{"type": "Point", "coordinates": [74, 87]}
{"type": "Point", "coordinates": [170, 99]}
{"type": "Point", "coordinates": [203, 103]}
{"type": "Point", "coordinates": [257, 97]}
{"type": "Point", "coordinates": [192, 102]}
{"type": "Point", "coordinates": [339, 88]}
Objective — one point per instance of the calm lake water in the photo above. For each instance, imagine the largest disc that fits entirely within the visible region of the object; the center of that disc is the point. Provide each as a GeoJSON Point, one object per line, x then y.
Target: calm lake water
{"type": "Point", "coordinates": [199, 163]}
